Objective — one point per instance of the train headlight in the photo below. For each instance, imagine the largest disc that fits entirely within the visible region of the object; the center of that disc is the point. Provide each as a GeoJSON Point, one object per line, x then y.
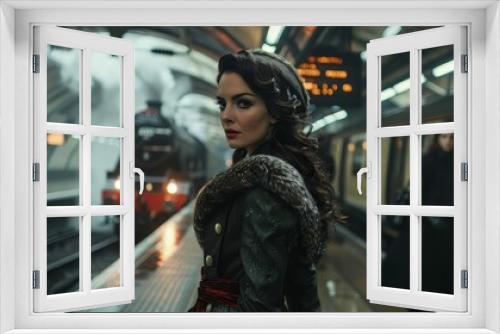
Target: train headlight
{"type": "Point", "coordinates": [149, 186]}
{"type": "Point", "coordinates": [172, 187]}
{"type": "Point", "coordinates": [117, 184]}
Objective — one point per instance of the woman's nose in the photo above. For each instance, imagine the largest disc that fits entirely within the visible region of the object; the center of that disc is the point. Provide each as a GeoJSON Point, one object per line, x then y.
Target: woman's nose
{"type": "Point", "coordinates": [226, 114]}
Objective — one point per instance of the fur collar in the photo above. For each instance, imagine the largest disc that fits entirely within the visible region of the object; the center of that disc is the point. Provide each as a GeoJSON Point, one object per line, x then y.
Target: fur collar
{"type": "Point", "coordinates": [278, 177]}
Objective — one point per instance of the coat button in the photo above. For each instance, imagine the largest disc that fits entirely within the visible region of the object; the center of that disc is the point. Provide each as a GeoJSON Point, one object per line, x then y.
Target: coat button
{"type": "Point", "coordinates": [209, 260]}
{"type": "Point", "coordinates": [218, 228]}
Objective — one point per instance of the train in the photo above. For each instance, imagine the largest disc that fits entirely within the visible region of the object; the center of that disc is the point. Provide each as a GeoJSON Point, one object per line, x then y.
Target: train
{"type": "Point", "coordinates": [174, 163]}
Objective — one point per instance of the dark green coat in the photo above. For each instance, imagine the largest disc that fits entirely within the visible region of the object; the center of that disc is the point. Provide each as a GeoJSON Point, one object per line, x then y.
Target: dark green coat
{"type": "Point", "coordinates": [258, 224]}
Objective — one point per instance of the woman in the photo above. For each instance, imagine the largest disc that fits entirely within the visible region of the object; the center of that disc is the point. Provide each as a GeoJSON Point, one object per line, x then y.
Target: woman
{"type": "Point", "coordinates": [262, 224]}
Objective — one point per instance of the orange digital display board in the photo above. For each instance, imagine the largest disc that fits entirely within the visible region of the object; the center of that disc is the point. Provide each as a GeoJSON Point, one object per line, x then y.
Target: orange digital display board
{"type": "Point", "coordinates": [332, 78]}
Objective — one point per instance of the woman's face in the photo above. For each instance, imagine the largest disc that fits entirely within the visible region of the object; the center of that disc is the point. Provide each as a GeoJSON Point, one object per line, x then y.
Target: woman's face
{"type": "Point", "coordinates": [445, 141]}
{"type": "Point", "coordinates": [243, 113]}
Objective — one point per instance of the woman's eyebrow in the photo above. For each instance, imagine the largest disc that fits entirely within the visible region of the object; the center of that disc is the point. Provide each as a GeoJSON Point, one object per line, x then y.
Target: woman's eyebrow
{"type": "Point", "coordinates": [235, 96]}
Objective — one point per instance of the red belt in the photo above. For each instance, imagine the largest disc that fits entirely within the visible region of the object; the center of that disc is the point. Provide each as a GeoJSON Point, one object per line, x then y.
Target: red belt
{"type": "Point", "coordinates": [216, 291]}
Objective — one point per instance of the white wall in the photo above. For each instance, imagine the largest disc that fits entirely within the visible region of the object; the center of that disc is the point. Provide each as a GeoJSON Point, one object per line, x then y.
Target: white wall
{"type": "Point", "coordinates": [492, 122]}
{"type": "Point", "coordinates": [7, 179]}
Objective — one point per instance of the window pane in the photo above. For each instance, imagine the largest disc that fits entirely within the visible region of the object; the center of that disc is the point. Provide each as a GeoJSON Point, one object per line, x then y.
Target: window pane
{"type": "Point", "coordinates": [106, 92]}
{"type": "Point", "coordinates": [396, 251]}
{"type": "Point", "coordinates": [395, 170]}
{"type": "Point", "coordinates": [395, 92]}
{"type": "Point", "coordinates": [437, 254]}
{"type": "Point", "coordinates": [63, 169]}
{"type": "Point", "coordinates": [63, 258]}
{"type": "Point", "coordinates": [105, 236]}
{"type": "Point", "coordinates": [106, 182]}
{"type": "Point", "coordinates": [437, 169]}
{"type": "Point", "coordinates": [437, 84]}
{"type": "Point", "coordinates": [63, 84]}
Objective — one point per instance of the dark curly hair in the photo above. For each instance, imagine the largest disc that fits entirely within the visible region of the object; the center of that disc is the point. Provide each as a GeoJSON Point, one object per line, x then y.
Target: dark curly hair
{"type": "Point", "coordinates": [275, 80]}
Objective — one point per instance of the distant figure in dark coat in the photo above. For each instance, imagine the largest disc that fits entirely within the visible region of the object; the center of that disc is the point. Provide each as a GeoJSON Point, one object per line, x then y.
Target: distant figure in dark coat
{"type": "Point", "coordinates": [437, 232]}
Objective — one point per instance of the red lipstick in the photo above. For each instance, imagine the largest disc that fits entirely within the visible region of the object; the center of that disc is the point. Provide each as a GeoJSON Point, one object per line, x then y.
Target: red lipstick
{"type": "Point", "coordinates": [230, 133]}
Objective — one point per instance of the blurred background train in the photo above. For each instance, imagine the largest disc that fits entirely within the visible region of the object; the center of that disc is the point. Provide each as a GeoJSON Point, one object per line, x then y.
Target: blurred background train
{"type": "Point", "coordinates": [174, 163]}
{"type": "Point", "coordinates": [179, 141]}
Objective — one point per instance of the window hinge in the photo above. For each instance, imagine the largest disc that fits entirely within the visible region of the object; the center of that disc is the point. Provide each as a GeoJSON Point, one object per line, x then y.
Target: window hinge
{"type": "Point", "coordinates": [464, 171]}
{"type": "Point", "coordinates": [464, 279]}
{"type": "Point", "coordinates": [36, 279]}
{"type": "Point", "coordinates": [36, 63]}
{"type": "Point", "coordinates": [465, 67]}
{"type": "Point", "coordinates": [36, 171]}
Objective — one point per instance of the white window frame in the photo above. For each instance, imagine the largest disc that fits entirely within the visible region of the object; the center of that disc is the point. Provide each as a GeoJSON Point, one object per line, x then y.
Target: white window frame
{"type": "Point", "coordinates": [16, 19]}
{"type": "Point", "coordinates": [413, 44]}
{"type": "Point", "coordinates": [86, 44]}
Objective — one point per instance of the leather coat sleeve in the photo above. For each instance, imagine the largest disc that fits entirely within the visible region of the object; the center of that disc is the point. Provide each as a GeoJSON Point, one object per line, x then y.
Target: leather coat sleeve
{"type": "Point", "coordinates": [301, 287]}
{"type": "Point", "coordinates": [269, 232]}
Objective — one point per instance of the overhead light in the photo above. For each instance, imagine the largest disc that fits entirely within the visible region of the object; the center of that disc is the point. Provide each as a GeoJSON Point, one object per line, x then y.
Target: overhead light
{"type": "Point", "coordinates": [340, 114]}
{"type": "Point", "coordinates": [318, 125]}
{"type": "Point", "coordinates": [363, 55]}
{"type": "Point", "coordinates": [398, 88]}
{"type": "Point", "coordinates": [402, 86]}
{"type": "Point", "coordinates": [274, 34]}
{"type": "Point", "coordinates": [268, 48]}
{"type": "Point", "coordinates": [443, 69]}
{"type": "Point", "coordinates": [387, 94]}
{"type": "Point", "coordinates": [391, 31]}
{"type": "Point", "coordinates": [328, 119]}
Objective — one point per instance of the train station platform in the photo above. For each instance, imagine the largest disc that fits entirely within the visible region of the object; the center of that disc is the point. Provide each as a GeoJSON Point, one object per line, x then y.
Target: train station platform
{"type": "Point", "coordinates": [172, 285]}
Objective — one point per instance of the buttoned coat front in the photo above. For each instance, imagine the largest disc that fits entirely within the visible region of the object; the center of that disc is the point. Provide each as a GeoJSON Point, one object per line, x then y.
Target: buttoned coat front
{"type": "Point", "coordinates": [258, 224]}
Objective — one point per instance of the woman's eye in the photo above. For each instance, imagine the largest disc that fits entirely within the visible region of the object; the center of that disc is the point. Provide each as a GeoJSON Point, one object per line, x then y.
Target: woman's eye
{"type": "Point", "coordinates": [221, 106]}
{"type": "Point", "coordinates": [244, 103]}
